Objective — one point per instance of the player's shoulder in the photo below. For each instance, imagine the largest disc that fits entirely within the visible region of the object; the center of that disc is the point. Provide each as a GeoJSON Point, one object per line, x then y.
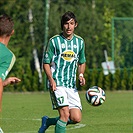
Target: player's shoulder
{"type": "Point", "coordinates": [4, 49]}
{"type": "Point", "coordinates": [79, 37]}
{"type": "Point", "coordinates": [55, 36]}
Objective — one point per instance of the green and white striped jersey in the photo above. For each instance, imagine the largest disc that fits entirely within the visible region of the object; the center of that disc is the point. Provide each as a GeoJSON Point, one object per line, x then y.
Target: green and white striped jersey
{"type": "Point", "coordinates": [7, 60]}
{"type": "Point", "coordinates": [64, 56]}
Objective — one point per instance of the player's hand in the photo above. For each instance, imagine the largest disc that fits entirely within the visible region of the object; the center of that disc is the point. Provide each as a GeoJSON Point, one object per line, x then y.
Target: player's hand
{"type": "Point", "coordinates": [11, 80]}
{"type": "Point", "coordinates": [82, 81]}
{"type": "Point", "coordinates": [53, 85]}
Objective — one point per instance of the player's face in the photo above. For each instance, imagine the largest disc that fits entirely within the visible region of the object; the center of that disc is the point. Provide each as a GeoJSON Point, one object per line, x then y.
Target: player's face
{"type": "Point", "coordinates": [68, 28]}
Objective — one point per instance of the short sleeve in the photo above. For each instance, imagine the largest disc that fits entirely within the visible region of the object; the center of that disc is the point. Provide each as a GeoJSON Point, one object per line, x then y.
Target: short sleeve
{"type": "Point", "coordinates": [82, 58]}
{"type": "Point", "coordinates": [48, 53]}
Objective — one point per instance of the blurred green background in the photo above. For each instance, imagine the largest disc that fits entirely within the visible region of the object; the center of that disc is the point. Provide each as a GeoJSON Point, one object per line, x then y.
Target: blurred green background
{"type": "Point", "coordinates": [104, 25]}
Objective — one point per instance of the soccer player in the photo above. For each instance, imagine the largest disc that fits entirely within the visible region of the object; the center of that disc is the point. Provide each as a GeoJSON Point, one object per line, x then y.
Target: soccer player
{"type": "Point", "coordinates": [7, 58]}
{"type": "Point", "coordinates": [63, 55]}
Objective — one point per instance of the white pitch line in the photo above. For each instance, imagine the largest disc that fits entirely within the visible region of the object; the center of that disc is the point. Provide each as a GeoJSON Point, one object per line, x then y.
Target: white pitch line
{"type": "Point", "coordinates": [21, 119]}
{"type": "Point", "coordinates": [73, 126]}
{"type": "Point", "coordinates": [49, 130]}
{"type": "Point", "coordinates": [77, 126]}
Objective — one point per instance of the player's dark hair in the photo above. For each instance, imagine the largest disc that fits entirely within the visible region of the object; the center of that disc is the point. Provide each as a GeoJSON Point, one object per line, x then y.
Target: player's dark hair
{"type": "Point", "coordinates": [66, 17]}
{"type": "Point", "coordinates": [6, 25]}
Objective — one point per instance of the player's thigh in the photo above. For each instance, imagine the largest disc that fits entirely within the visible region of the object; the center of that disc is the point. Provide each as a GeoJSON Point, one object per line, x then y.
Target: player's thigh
{"type": "Point", "coordinates": [75, 114]}
{"type": "Point", "coordinates": [59, 97]}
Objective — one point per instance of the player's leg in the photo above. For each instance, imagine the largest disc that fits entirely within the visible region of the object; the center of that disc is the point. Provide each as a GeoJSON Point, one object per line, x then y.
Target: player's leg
{"type": "Point", "coordinates": [63, 109]}
{"type": "Point", "coordinates": [75, 116]}
{"type": "Point", "coordinates": [46, 121]}
{"type": "Point", "coordinates": [60, 126]}
{"type": "Point", "coordinates": [59, 99]}
{"type": "Point", "coordinates": [75, 106]}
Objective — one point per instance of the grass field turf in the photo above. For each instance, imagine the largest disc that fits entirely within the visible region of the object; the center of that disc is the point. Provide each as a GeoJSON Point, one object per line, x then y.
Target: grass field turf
{"type": "Point", "coordinates": [22, 113]}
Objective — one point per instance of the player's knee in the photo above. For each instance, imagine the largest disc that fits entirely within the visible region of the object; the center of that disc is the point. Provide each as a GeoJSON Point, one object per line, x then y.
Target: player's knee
{"type": "Point", "coordinates": [76, 119]}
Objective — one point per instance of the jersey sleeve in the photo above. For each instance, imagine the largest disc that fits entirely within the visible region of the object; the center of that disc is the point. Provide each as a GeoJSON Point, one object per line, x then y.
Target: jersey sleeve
{"type": "Point", "coordinates": [48, 53]}
{"type": "Point", "coordinates": [6, 64]}
{"type": "Point", "coordinates": [82, 58]}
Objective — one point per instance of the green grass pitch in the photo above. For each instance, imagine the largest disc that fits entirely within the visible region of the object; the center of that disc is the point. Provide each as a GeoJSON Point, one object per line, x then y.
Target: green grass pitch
{"type": "Point", "coordinates": [22, 113]}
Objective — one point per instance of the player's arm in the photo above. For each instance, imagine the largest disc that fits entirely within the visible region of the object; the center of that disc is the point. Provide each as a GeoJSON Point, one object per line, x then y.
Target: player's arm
{"type": "Point", "coordinates": [1, 91]}
{"type": "Point", "coordinates": [11, 80]}
{"type": "Point", "coordinates": [48, 55]}
{"type": "Point", "coordinates": [49, 75]}
{"type": "Point", "coordinates": [81, 70]}
{"type": "Point", "coordinates": [82, 64]}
